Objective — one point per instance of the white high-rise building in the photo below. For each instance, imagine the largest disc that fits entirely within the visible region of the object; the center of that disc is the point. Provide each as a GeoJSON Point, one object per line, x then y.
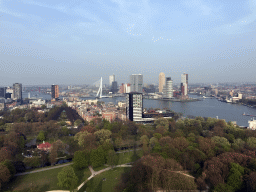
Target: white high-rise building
{"type": "Point", "coordinates": [134, 106]}
{"type": "Point", "coordinates": [111, 79]}
{"type": "Point", "coordinates": [168, 88]}
{"type": "Point", "coordinates": [136, 81]}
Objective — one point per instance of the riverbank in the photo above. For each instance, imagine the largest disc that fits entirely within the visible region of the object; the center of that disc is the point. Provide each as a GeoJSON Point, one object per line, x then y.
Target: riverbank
{"type": "Point", "coordinates": [176, 100]}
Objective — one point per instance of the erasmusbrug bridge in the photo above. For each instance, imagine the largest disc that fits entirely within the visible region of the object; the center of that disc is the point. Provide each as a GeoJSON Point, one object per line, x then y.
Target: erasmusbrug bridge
{"type": "Point", "coordinates": [99, 84]}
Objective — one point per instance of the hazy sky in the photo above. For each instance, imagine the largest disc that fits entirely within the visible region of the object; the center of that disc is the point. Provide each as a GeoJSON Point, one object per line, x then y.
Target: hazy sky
{"type": "Point", "coordinates": [77, 42]}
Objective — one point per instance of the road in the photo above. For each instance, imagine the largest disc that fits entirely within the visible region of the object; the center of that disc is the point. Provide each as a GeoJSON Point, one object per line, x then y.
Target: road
{"type": "Point", "coordinates": [44, 169]}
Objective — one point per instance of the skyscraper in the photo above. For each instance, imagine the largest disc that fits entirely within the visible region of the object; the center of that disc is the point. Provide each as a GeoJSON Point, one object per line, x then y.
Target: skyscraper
{"type": "Point", "coordinates": [114, 88]}
{"type": "Point", "coordinates": [17, 91]}
{"type": "Point", "coordinates": [2, 92]}
{"type": "Point", "coordinates": [184, 84]}
{"type": "Point", "coordinates": [168, 91]}
{"type": "Point", "coordinates": [111, 79]}
{"type": "Point", "coordinates": [161, 81]}
{"type": "Point", "coordinates": [136, 81]}
{"type": "Point", "coordinates": [134, 106]}
{"type": "Point", "coordinates": [55, 91]}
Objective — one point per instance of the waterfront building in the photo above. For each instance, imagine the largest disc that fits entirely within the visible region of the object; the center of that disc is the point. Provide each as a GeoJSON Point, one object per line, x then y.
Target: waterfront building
{"type": "Point", "coordinates": [184, 84]}
{"type": "Point", "coordinates": [134, 105]}
{"type": "Point", "coordinates": [55, 92]}
{"type": "Point", "coordinates": [111, 79]}
{"type": "Point", "coordinates": [161, 81]}
{"type": "Point", "coordinates": [252, 124]}
{"type": "Point", "coordinates": [17, 91]}
{"type": "Point", "coordinates": [168, 91]}
{"type": "Point", "coordinates": [136, 81]}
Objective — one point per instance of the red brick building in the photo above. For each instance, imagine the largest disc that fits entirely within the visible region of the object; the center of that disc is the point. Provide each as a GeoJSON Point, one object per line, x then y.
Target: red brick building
{"type": "Point", "coordinates": [110, 116]}
{"type": "Point", "coordinates": [44, 146]}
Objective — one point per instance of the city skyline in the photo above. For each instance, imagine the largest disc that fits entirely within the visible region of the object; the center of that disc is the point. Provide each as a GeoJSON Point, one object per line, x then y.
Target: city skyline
{"type": "Point", "coordinates": [59, 42]}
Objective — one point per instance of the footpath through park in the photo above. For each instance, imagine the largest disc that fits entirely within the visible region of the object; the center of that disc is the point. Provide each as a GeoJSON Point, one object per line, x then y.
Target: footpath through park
{"type": "Point", "coordinates": [94, 173]}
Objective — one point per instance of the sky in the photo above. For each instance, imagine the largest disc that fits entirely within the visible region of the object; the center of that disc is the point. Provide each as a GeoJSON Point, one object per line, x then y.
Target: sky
{"type": "Point", "coordinates": [78, 42]}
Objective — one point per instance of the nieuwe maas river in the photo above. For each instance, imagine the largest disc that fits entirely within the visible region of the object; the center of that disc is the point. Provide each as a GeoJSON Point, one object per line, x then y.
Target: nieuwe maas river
{"type": "Point", "coordinates": [204, 108]}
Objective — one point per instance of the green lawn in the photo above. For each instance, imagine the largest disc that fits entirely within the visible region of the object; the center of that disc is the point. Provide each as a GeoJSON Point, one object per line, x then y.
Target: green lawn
{"type": "Point", "coordinates": [42, 181]}
{"type": "Point", "coordinates": [97, 184]}
{"type": "Point", "coordinates": [129, 157]}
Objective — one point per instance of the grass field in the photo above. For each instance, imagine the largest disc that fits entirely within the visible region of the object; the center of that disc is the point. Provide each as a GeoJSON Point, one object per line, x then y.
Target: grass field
{"type": "Point", "coordinates": [97, 184]}
{"type": "Point", "coordinates": [47, 180]}
{"type": "Point", "coordinates": [42, 181]}
{"type": "Point", "coordinates": [129, 157]}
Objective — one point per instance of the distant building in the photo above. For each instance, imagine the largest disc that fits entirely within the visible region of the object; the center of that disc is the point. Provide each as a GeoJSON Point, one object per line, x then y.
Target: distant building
{"type": "Point", "coordinates": [252, 124]}
{"type": "Point", "coordinates": [149, 89]}
{"type": "Point", "coordinates": [216, 91]}
{"type": "Point", "coordinates": [127, 88]}
{"type": "Point", "coordinates": [184, 84]}
{"type": "Point", "coordinates": [136, 81]}
{"type": "Point", "coordinates": [109, 116]}
{"type": "Point", "coordinates": [161, 81]}
{"type": "Point", "coordinates": [9, 93]}
{"type": "Point", "coordinates": [17, 91]}
{"type": "Point", "coordinates": [111, 79]}
{"type": "Point", "coordinates": [55, 92]}
{"type": "Point", "coordinates": [114, 88]}
{"type": "Point", "coordinates": [168, 91]}
{"type": "Point", "coordinates": [134, 106]}
{"type": "Point", "coordinates": [2, 92]}
{"type": "Point", "coordinates": [2, 105]}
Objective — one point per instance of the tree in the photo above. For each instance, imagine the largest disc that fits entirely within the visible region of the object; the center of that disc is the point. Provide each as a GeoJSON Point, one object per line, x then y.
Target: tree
{"type": "Point", "coordinates": [251, 142]}
{"type": "Point", "coordinates": [43, 107]}
{"type": "Point", "coordinates": [78, 122]}
{"type": "Point", "coordinates": [4, 174]}
{"type": "Point", "coordinates": [97, 157]}
{"type": "Point", "coordinates": [234, 178]}
{"type": "Point", "coordinates": [238, 144]}
{"type": "Point", "coordinates": [222, 141]}
{"type": "Point", "coordinates": [10, 166]}
{"type": "Point", "coordinates": [41, 136]}
{"type": "Point", "coordinates": [32, 162]}
{"type": "Point", "coordinates": [86, 140]}
{"type": "Point", "coordinates": [80, 160]}
{"type": "Point", "coordinates": [112, 158]}
{"type": "Point", "coordinates": [103, 135]}
{"type": "Point", "coordinates": [223, 187]}
{"type": "Point", "coordinates": [158, 136]}
{"type": "Point", "coordinates": [67, 178]}
{"type": "Point", "coordinates": [162, 122]}
{"type": "Point", "coordinates": [5, 153]}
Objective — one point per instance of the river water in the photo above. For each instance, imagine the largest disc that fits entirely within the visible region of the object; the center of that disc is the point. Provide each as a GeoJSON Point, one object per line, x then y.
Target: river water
{"type": "Point", "coordinates": [205, 108]}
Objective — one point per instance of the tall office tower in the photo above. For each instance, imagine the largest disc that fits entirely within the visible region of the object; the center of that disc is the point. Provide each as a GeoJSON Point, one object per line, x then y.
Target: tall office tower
{"type": "Point", "coordinates": [2, 92]}
{"type": "Point", "coordinates": [114, 88]}
{"type": "Point", "coordinates": [136, 81]}
{"type": "Point", "coordinates": [17, 91]}
{"type": "Point", "coordinates": [55, 91]}
{"type": "Point", "coordinates": [111, 79]}
{"type": "Point", "coordinates": [134, 106]}
{"type": "Point", "coordinates": [184, 84]}
{"type": "Point", "coordinates": [161, 81]}
{"type": "Point", "coordinates": [168, 88]}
